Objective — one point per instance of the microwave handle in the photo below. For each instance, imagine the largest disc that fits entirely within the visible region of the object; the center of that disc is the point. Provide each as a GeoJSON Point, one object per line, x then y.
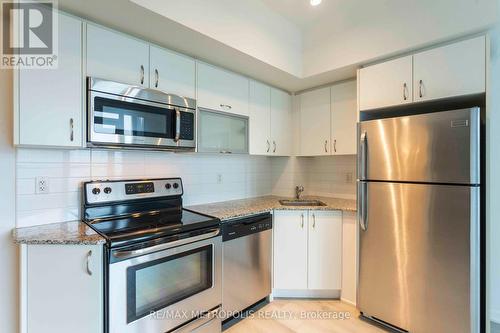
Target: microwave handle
{"type": "Point", "coordinates": [177, 125]}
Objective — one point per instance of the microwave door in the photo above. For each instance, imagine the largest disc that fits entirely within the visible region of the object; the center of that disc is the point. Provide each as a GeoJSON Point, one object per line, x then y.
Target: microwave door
{"type": "Point", "coordinates": [441, 147]}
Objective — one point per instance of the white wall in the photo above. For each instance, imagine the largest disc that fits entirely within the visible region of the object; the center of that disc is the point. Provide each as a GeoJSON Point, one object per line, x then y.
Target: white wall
{"type": "Point", "coordinates": [359, 31]}
{"type": "Point", "coordinates": [246, 25]}
{"type": "Point", "coordinates": [242, 176]}
{"type": "Point", "coordinates": [325, 175]}
{"type": "Point", "coordinates": [493, 176]}
{"type": "Point", "coordinates": [8, 251]}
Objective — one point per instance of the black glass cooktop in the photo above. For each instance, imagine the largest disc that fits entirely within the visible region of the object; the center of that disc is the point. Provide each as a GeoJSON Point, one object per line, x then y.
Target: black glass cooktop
{"type": "Point", "coordinates": [149, 225]}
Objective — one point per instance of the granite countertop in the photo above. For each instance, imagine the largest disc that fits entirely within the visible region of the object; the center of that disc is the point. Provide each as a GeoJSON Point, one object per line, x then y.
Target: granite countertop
{"type": "Point", "coordinates": [65, 233]}
{"type": "Point", "coordinates": [238, 208]}
{"type": "Point", "coordinates": [78, 233]}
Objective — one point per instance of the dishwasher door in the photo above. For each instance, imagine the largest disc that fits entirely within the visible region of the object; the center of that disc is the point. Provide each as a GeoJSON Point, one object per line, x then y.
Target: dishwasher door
{"type": "Point", "coordinates": [246, 263]}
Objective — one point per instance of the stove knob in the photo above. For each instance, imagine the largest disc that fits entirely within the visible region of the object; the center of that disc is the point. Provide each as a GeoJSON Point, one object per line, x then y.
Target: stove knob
{"type": "Point", "coordinates": [107, 190]}
{"type": "Point", "coordinates": [168, 186]}
{"type": "Point", "coordinates": [176, 186]}
{"type": "Point", "coordinates": [96, 190]}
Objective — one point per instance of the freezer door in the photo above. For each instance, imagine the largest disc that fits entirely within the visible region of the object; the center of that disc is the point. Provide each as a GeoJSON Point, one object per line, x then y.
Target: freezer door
{"type": "Point", "coordinates": [441, 147]}
{"type": "Point", "coordinates": [419, 250]}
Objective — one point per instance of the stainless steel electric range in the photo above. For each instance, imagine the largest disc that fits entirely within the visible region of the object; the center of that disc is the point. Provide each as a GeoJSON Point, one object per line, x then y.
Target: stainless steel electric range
{"type": "Point", "coordinates": [163, 262]}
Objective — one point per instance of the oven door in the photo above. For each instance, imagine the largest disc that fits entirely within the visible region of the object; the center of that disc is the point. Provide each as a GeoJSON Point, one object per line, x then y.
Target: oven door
{"type": "Point", "coordinates": [160, 291]}
{"type": "Point", "coordinates": [115, 120]}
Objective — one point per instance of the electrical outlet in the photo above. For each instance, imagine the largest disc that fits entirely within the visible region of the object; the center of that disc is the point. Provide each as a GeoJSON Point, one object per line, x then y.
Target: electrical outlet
{"type": "Point", "coordinates": [348, 177]}
{"type": "Point", "coordinates": [42, 185]}
{"type": "Point", "coordinates": [219, 178]}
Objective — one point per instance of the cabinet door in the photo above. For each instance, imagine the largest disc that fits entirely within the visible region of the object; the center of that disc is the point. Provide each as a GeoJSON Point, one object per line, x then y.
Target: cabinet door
{"type": "Point", "coordinates": [386, 84]}
{"type": "Point", "coordinates": [344, 118]}
{"type": "Point", "coordinates": [220, 132]}
{"type": "Point", "coordinates": [62, 296]}
{"type": "Point", "coordinates": [172, 73]}
{"type": "Point", "coordinates": [117, 57]}
{"type": "Point", "coordinates": [349, 257]}
{"type": "Point", "coordinates": [290, 250]}
{"type": "Point", "coordinates": [50, 101]}
{"type": "Point", "coordinates": [315, 122]}
{"type": "Point", "coordinates": [221, 90]}
{"type": "Point", "coordinates": [260, 119]}
{"type": "Point", "coordinates": [325, 250]}
{"type": "Point", "coordinates": [281, 123]}
{"type": "Point", "coordinates": [453, 70]}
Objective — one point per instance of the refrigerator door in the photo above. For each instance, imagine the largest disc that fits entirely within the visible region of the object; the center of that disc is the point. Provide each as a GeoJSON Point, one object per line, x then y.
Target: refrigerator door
{"type": "Point", "coordinates": [440, 147]}
{"type": "Point", "coordinates": [419, 266]}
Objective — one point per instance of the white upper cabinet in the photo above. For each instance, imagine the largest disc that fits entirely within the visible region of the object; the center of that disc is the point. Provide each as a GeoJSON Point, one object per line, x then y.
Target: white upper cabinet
{"type": "Point", "coordinates": [260, 119]}
{"type": "Point", "coordinates": [50, 103]}
{"type": "Point", "coordinates": [453, 70]}
{"type": "Point", "coordinates": [117, 57]}
{"type": "Point", "coordinates": [344, 118]}
{"type": "Point", "coordinates": [386, 84]}
{"type": "Point", "coordinates": [281, 123]}
{"type": "Point", "coordinates": [325, 250]}
{"type": "Point", "coordinates": [315, 122]}
{"type": "Point", "coordinates": [172, 73]}
{"type": "Point", "coordinates": [290, 249]}
{"type": "Point", "coordinates": [221, 90]}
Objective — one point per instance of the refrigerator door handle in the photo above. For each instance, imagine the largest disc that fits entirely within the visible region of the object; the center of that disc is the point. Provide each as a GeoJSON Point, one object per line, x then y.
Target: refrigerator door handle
{"type": "Point", "coordinates": [362, 204]}
{"type": "Point", "coordinates": [363, 156]}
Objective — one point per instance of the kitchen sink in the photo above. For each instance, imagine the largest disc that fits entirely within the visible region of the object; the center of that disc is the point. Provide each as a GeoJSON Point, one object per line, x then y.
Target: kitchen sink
{"type": "Point", "coordinates": [296, 202]}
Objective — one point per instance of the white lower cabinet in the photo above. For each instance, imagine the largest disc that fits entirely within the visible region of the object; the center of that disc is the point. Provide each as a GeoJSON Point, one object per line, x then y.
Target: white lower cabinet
{"type": "Point", "coordinates": [307, 252]}
{"type": "Point", "coordinates": [62, 288]}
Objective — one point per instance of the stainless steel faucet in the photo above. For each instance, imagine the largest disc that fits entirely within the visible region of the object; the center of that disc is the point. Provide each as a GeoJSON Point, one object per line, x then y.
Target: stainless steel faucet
{"type": "Point", "coordinates": [298, 191]}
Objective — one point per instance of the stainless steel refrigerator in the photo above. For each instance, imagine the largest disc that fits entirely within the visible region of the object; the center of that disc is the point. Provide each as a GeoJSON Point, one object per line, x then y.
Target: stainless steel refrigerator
{"type": "Point", "coordinates": [419, 217]}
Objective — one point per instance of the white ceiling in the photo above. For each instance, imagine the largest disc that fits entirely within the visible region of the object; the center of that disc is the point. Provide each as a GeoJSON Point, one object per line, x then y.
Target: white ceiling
{"type": "Point", "coordinates": [289, 43]}
{"type": "Point", "coordinates": [301, 13]}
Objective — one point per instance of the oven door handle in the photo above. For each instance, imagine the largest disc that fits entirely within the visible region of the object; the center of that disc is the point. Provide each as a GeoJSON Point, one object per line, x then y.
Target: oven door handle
{"type": "Point", "coordinates": [198, 323]}
{"type": "Point", "coordinates": [160, 247]}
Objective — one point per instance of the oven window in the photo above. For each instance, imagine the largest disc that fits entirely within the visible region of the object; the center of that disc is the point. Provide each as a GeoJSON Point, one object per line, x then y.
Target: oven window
{"type": "Point", "coordinates": [132, 119]}
{"type": "Point", "coordinates": [154, 285]}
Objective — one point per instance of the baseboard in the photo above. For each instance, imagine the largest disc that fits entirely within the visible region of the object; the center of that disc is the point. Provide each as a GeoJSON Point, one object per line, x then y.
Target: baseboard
{"type": "Point", "coordinates": [293, 293]}
{"type": "Point", "coordinates": [348, 301]}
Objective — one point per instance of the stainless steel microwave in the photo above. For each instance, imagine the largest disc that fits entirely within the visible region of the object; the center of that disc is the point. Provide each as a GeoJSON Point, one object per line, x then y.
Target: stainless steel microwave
{"type": "Point", "coordinates": [121, 115]}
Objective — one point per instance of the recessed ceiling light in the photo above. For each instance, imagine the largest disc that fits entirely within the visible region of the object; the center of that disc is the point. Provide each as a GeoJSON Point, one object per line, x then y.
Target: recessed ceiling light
{"type": "Point", "coordinates": [315, 2]}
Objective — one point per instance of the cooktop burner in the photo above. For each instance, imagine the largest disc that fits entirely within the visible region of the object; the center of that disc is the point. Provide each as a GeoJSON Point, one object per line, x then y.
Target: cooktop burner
{"type": "Point", "coordinates": [138, 210]}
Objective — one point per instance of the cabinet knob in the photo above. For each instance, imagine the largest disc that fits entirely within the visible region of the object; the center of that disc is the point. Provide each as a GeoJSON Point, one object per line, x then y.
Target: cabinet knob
{"type": "Point", "coordinates": [226, 106]}
{"type": "Point", "coordinates": [157, 78]}
{"type": "Point", "coordinates": [142, 74]}
{"type": "Point", "coordinates": [421, 88]}
{"type": "Point", "coordinates": [268, 146]}
{"type": "Point", "coordinates": [326, 146]}
{"type": "Point", "coordinates": [335, 145]}
{"type": "Point", "coordinates": [405, 89]}
{"type": "Point", "coordinates": [302, 221]}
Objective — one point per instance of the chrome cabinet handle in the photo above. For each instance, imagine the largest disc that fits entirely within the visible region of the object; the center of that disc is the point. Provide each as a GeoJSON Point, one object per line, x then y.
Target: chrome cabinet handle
{"type": "Point", "coordinates": [363, 157]}
{"type": "Point", "coordinates": [326, 144]}
{"type": "Point", "coordinates": [226, 106]}
{"type": "Point", "coordinates": [405, 87]}
{"type": "Point", "coordinates": [335, 145]}
{"type": "Point", "coordinates": [302, 220]}
{"type": "Point", "coordinates": [421, 88]}
{"type": "Point", "coordinates": [226, 152]}
{"type": "Point", "coordinates": [268, 146]}
{"type": "Point", "coordinates": [142, 74]}
{"type": "Point", "coordinates": [362, 204]}
{"type": "Point", "coordinates": [177, 125]}
{"type": "Point", "coordinates": [274, 146]}
{"type": "Point", "coordinates": [89, 254]}
{"type": "Point", "coordinates": [157, 78]}
{"type": "Point", "coordinates": [72, 128]}
{"type": "Point", "coordinates": [314, 221]}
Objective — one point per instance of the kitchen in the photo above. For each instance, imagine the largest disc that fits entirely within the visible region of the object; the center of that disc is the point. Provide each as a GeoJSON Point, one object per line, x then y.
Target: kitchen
{"type": "Point", "coordinates": [223, 170]}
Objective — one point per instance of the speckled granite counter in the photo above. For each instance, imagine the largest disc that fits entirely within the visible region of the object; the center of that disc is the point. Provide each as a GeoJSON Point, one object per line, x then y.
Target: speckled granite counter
{"type": "Point", "coordinates": [237, 208]}
{"type": "Point", "coordinates": [66, 233]}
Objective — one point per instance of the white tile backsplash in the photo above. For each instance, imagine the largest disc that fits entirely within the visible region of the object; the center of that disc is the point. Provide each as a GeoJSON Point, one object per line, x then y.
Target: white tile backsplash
{"type": "Point", "coordinates": [243, 176]}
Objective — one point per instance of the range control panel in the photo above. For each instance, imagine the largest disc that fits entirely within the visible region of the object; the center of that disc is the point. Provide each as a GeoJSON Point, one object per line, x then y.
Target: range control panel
{"type": "Point", "coordinates": [112, 191]}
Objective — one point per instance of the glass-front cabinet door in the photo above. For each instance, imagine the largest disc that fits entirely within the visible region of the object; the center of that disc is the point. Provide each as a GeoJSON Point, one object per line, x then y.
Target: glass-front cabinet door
{"type": "Point", "coordinates": [221, 132]}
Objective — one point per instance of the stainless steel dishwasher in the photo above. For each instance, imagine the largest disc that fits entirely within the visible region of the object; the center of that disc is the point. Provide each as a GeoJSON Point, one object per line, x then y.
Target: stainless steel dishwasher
{"type": "Point", "coordinates": [246, 265]}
